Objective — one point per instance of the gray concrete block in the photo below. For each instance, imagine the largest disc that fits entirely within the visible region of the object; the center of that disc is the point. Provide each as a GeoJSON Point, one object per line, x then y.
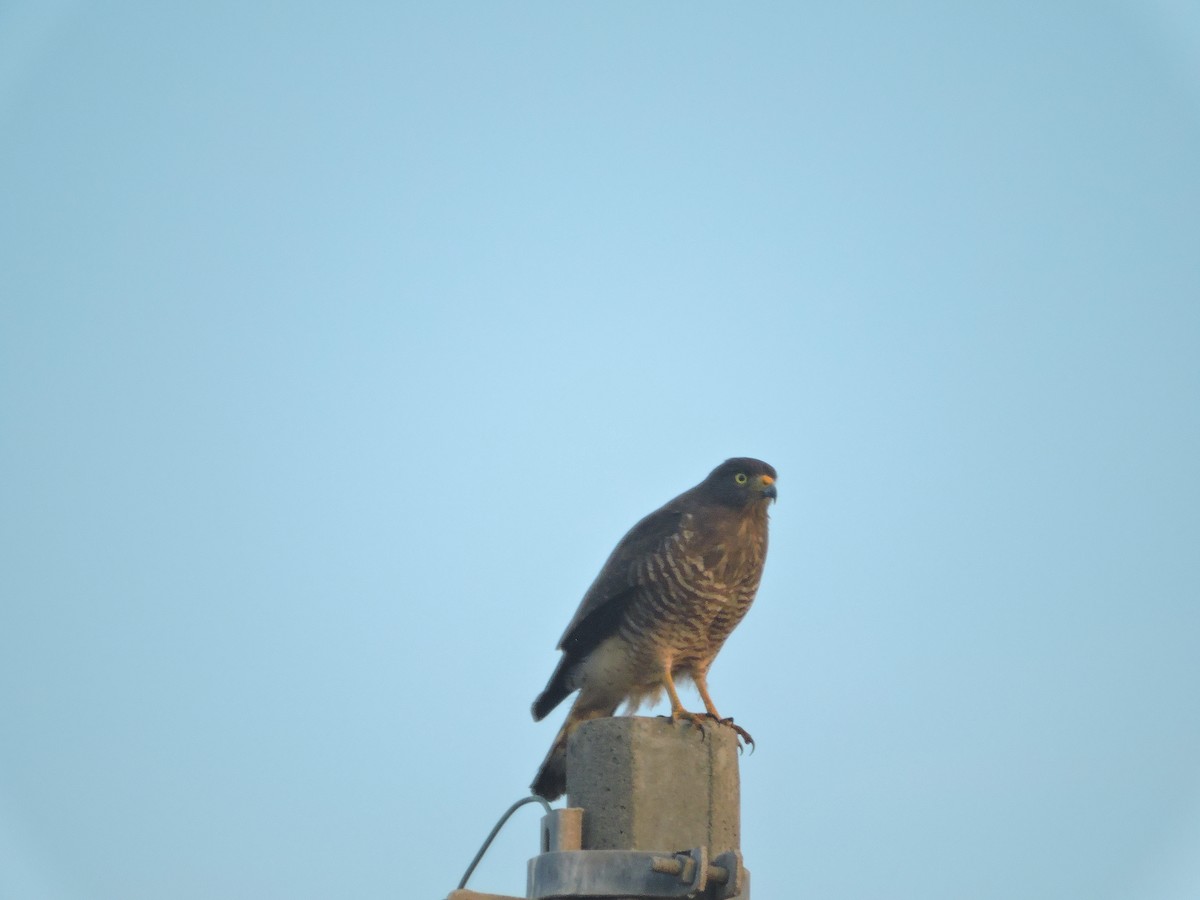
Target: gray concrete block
{"type": "Point", "coordinates": [657, 785]}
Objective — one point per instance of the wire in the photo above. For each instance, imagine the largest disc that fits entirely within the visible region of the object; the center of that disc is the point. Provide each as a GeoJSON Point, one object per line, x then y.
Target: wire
{"type": "Point", "coordinates": [496, 830]}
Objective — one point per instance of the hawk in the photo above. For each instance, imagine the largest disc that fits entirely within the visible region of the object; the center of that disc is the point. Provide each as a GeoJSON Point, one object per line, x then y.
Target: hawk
{"type": "Point", "coordinates": [663, 604]}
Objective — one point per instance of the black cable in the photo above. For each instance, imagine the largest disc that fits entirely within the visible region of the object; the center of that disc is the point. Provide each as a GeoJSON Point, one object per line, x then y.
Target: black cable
{"type": "Point", "coordinates": [495, 831]}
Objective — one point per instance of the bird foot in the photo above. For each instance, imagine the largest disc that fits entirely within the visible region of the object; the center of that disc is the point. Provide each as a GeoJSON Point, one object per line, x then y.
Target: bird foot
{"type": "Point", "coordinates": [703, 720]}
{"type": "Point", "coordinates": [744, 739]}
{"type": "Point", "coordinates": [700, 720]}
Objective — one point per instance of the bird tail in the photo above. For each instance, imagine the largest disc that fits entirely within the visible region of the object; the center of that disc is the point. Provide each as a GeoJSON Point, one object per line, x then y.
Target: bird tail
{"type": "Point", "coordinates": [556, 690]}
{"type": "Point", "coordinates": [550, 782]}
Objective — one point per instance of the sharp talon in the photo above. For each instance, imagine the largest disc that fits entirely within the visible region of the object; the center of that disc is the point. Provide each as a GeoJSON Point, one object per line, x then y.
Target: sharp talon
{"type": "Point", "coordinates": [696, 719]}
{"type": "Point", "coordinates": [742, 733]}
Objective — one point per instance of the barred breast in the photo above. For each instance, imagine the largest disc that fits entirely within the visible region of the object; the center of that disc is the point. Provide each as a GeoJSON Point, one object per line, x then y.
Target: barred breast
{"type": "Point", "coordinates": [691, 596]}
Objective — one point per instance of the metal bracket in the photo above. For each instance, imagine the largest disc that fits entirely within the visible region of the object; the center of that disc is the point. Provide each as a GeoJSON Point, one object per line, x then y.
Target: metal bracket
{"type": "Point", "coordinates": [632, 873]}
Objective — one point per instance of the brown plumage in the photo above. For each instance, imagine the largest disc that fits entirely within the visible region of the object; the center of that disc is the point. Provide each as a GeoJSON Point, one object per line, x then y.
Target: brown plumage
{"type": "Point", "coordinates": [667, 598]}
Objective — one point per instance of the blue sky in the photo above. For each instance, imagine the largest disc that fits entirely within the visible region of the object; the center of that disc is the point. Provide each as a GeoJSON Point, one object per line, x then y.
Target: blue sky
{"type": "Point", "coordinates": [339, 346]}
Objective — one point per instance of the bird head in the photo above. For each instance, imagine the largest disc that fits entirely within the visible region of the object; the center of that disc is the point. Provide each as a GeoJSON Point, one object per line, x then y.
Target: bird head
{"type": "Point", "coordinates": [742, 482]}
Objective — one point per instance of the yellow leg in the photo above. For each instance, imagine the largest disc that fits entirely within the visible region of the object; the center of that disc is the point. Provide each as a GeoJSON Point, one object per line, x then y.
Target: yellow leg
{"type": "Point", "coordinates": [677, 710]}
{"type": "Point", "coordinates": [700, 678]}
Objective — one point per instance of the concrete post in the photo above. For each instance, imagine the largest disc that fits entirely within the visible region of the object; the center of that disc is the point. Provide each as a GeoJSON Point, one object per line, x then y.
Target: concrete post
{"type": "Point", "coordinates": [656, 785]}
{"type": "Point", "coordinates": [652, 811]}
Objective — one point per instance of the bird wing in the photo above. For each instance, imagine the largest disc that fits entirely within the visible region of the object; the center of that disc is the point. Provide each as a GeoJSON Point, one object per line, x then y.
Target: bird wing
{"type": "Point", "coordinates": [605, 601]}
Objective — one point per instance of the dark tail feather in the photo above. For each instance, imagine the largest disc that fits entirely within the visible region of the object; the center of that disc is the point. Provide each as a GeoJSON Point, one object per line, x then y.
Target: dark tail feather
{"type": "Point", "coordinates": [550, 782]}
{"type": "Point", "coordinates": [556, 690]}
{"type": "Point", "coordinates": [551, 779]}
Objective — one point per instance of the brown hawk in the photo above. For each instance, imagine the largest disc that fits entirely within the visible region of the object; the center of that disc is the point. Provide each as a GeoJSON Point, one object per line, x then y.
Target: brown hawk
{"type": "Point", "coordinates": [667, 598]}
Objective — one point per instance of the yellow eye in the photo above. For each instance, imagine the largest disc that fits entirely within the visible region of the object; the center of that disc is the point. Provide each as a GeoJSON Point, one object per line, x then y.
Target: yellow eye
{"type": "Point", "coordinates": [740, 478]}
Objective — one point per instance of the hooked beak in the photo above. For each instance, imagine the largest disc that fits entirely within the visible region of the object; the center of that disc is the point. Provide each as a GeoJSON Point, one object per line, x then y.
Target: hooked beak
{"type": "Point", "coordinates": [766, 486]}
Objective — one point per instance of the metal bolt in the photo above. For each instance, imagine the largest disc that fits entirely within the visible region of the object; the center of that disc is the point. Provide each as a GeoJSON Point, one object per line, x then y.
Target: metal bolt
{"type": "Point", "coordinates": [673, 865]}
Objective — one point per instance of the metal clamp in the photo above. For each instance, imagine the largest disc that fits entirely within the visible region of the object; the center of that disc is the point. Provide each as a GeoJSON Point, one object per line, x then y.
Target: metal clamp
{"type": "Point", "coordinates": [724, 874]}
{"type": "Point", "coordinates": [632, 873]}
